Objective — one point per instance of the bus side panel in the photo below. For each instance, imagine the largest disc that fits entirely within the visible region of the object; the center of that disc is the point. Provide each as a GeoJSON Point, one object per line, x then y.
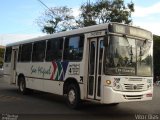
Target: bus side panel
{"type": "Point", "coordinates": [39, 76]}
{"type": "Point", "coordinates": [32, 81]}
{"type": "Point", "coordinates": [50, 76]}
{"type": "Point", "coordinates": [84, 70]}
{"type": "Point", "coordinates": [55, 87]}
{"type": "Point", "coordinates": [75, 70]}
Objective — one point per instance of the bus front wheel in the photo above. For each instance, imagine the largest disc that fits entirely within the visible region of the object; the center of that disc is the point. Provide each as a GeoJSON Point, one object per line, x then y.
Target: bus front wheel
{"type": "Point", "coordinates": [73, 96]}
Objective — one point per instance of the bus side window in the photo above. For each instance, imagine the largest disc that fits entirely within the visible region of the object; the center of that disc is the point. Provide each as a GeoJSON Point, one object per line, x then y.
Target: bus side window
{"type": "Point", "coordinates": [54, 49]}
{"type": "Point", "coordinates": [8, 54]}
{"type": "Point", "coordinates": [19, 53]}
{"type": "Point", "coordinates": [73, 49]}
{"type": "Point", "coordinates": [26, 51]}
{"type": "Point", "coordinates": [38, 54]}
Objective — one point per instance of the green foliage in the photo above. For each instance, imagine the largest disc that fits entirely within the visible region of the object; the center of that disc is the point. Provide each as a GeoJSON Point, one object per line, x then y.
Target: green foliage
{"type": "Point", "coordinates": [156, 54]}
{"type": "Point", "coordinates": [59, 19]}
{"type": "Point", "coordinates": [87, 16]}
{"type": "Point", "coordinates": [1, 56]}
{"type": "Point", "coordinates": [56, 19]}
{"type": "Point", "coordinates": [103, 11]}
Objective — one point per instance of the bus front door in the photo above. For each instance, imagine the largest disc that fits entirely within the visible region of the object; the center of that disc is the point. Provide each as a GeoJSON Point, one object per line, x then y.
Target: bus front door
{"type": "Point", "coordinates": [13, 66]}
{"type": "Point", "coordinates": [96, 51]}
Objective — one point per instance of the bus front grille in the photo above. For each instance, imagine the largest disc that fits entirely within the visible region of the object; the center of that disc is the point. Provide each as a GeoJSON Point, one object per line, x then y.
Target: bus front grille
{"type": "Point", "coordinates": [133, 87]}
{"type": "Point", "coordinates": [133, 97]}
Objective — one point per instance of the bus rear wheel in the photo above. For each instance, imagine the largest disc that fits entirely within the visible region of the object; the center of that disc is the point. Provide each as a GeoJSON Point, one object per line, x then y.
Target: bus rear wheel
{"type": "Point", "coordinates": [73, 96]}
{"type": "Point", "coordinates": [22, 86]}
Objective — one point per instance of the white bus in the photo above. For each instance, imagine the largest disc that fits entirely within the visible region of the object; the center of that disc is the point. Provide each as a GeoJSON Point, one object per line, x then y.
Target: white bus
{"type": "Point", "coordinates": [107, 63]}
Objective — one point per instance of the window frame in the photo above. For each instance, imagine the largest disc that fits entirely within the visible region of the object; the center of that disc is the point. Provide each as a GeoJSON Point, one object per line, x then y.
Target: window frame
{"type": "Point", "coordinates": [61, 39]}
{"type": "Point", "coordinates": [21, 52]}
{"type": "Point", "coordinates": [35, 59]}
{"type": "Point", "coordinates": [82, 37]}
{"type": "Point", "coordinates": [6, 52]}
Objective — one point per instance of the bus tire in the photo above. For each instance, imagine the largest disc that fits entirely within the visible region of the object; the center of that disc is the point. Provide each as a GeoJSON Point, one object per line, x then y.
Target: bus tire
{"type": "Point", "coordinates": [22, 86]}
{"type": "Point", "coordinates": [114, 104]}
{"type": "Point", "coordinates": [73, 96]}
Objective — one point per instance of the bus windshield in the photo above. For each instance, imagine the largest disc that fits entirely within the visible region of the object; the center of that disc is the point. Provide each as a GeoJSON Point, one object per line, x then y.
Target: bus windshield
{"type": "Point", "coordinates": [127, 56]}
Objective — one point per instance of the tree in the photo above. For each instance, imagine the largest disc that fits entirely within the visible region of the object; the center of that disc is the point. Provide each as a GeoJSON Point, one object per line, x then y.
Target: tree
{"type": "Point", "coordinates": [56, 19]}
{"type": "Point", "coordinates": [103, 11]}
{"type": "Point", "coordinates": [1, 56]}
{"type": "Point", "coordinates": [61, 19]}
{"type": "Point", "coordinates": [87, 16]}
{"type": "Point", "coordinates": [156, 51]}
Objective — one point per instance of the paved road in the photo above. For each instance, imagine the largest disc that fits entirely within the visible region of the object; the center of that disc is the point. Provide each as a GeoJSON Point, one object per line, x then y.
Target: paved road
{"type": "Point", "coordinates": [47, 106]}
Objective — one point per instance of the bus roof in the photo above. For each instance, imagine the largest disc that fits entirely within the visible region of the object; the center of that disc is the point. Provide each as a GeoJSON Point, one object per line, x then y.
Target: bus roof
{"type": "Point", "coordinates": [63, 34]}
{"type": "Point", "coordinates": [68, 33]}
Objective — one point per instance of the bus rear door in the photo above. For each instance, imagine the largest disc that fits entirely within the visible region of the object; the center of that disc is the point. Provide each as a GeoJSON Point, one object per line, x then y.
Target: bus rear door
{"type": "Point", "coordinates": [13, 64]}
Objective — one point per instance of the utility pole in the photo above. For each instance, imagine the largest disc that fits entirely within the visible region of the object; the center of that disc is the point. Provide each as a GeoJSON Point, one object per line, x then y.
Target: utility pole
{"type": "Point", "coordinates": [88, 9]}
{"type": "Point", "coordinates": [44, 4]}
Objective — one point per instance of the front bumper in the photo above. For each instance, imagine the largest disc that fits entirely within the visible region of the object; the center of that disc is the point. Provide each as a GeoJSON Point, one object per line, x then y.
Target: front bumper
{"type": "Point", "coordinates": [112, 96]}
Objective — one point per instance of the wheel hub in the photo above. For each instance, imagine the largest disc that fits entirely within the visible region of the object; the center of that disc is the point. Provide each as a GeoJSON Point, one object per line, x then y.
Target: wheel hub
{"type": "Point", "coordinates": [22, 86]}
{"type": "Point", "coordinates": [71, 96]}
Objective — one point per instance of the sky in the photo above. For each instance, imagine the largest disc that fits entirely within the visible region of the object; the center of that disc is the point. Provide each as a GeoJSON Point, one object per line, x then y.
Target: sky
{"type": "Point", "coordinates": [18, 17]}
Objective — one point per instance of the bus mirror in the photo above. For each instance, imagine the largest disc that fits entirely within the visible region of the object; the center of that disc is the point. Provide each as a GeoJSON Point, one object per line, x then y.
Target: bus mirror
{"type": "Point", "coordinates": [106, 40]}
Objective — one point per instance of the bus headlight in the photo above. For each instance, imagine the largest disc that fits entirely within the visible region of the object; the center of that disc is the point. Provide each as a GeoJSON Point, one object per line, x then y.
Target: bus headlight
{"type": "Point", "coordinates": [149, 86]}
{"type": "Point", "coordinates": [116, 86]}
{"type": "Point", "coordinates": [108, 82]}
{"type": "Point", "coordinates": [149, 80]}
{"type": "Point", "coordinates": [149, 83]}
